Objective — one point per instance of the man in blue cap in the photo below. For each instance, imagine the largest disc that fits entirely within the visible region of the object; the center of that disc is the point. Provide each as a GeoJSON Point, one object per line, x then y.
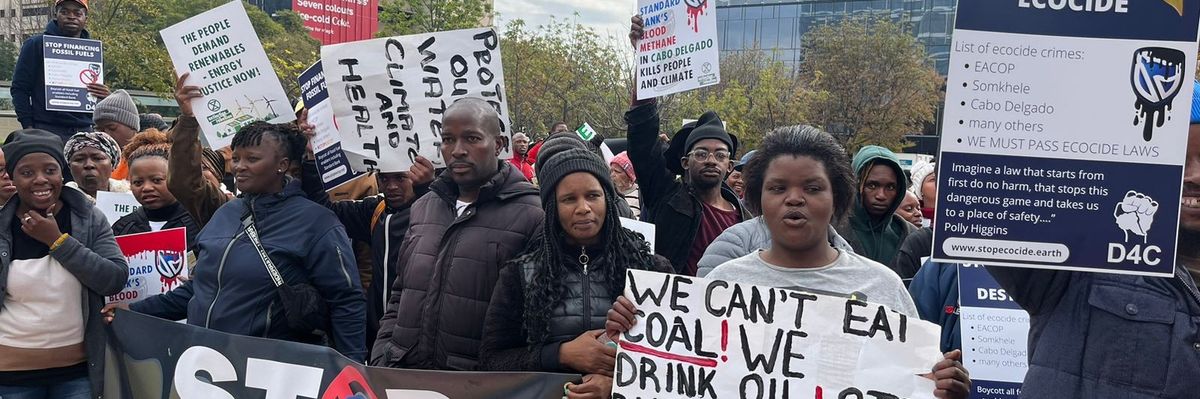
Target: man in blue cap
{"type": "Point", "coordinates": [1115, 336]}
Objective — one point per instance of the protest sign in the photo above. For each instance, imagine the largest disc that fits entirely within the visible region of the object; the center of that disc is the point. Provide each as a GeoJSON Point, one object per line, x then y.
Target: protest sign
{"type": "Point", "coordinates": [995, 335]}
{"type": "Point", "coordinates": [150, 358]}
{"type": "Point", "coordinates": [116, 205]}
{"type": "Point", "coordinates": [643, 228]}
{"type": "Point", "coordinates": [221, 51]}
{"type": "Point", "coordinates": [1069, 171]}
{"type": "Point", "coordinates": [697, 337]}
{"type": "Point", "coordinates": [678, 50]}
{"type": "Point", "coordinates": [339, 21]}
{"type": "Point", "coordinates": [70, 65]}
{"type": "Point", "coordinates": [389, 94]}
{"type": "Point", "coordinates": [326, 142]}
{"type": "Point", "coordinates": [586, 132]}
{"type": "Point", "coordinates": [157, 263]}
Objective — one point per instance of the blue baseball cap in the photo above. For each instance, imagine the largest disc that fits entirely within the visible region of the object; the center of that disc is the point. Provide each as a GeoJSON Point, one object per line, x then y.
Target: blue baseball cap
{"type": "Point", "coordinates": [746, 159]}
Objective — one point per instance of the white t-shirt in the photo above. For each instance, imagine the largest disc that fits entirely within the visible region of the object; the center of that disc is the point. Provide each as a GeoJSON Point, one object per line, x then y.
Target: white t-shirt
{"type": "Point", "coordinates": [850, 275]}
{"type": "Point", "coordinates": [461, 207]}
{"type": "Point", "coordinates": [156, 226]}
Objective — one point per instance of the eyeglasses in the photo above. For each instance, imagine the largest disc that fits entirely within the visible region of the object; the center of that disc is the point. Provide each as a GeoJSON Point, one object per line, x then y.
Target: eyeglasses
{"type": "Point", "coordinates": [702, 155]}
{"type": "Point", "coordinates": [77, 12]}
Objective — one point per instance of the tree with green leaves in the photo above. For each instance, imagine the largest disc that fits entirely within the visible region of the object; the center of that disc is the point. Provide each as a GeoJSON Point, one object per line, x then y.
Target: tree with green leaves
{"type": "Point", "coordinates": [564, 72]}
{"type": "Point", "coordinates": [136, 58]}
{"type": "Point", "coordinates": [871, 82]}
{"type": "Point", "coordinates": [8, 59]}
{"type": "Point", "coordinates": [406, 17]}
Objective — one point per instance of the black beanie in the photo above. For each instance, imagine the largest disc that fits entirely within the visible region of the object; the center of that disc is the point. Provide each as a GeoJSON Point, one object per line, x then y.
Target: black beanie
{"type": "Point", "coordinates": [709, 126]}
{"type": "Point", "coordinates": [32, 141]}
{"type": "Point", "coordinates": [570, 160]}
{"type": "Point", "coordinates": [554, 144]}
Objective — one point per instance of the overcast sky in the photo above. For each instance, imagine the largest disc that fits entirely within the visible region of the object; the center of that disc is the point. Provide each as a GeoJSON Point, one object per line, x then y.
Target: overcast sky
{"type": "Point", "coordinates": [607, 17]}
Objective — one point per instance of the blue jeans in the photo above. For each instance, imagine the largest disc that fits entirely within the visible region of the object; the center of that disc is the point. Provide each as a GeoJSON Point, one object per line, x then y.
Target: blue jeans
{"type": "Point", "coordinates": [79, 388]}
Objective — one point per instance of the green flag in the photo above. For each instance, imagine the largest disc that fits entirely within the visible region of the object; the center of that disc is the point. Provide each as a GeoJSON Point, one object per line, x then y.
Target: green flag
{"type": "Point", "coordinates": [586, 132]}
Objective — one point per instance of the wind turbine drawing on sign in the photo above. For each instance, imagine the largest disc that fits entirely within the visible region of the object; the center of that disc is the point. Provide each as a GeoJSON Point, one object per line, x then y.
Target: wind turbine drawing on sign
{"type": "Point", "coordinates": [271, 107]}
{"type": "Point", "coordinates": [242, 109]}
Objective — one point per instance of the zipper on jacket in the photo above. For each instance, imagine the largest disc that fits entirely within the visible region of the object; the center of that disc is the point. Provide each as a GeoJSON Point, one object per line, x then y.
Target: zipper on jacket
{"type": "Point", "coordinates": [220, 271]}
{"type": "Point", "coordinates": [270, 307]}
{"type": "Point", "coordinates": [446, 254]}
{"type": "Point", "coordinates": [342, 266]}
{"type": "Point", "coordinates": [587, 289]}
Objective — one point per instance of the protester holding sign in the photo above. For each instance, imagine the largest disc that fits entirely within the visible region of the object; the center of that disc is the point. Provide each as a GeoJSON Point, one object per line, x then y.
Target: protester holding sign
{"type": "Point", "coordinates": [570, 273]}
{"type": "Point", "coordinates": [381, 220]}
{"type": "Point", "coordinates": [58, 259]}
{"type": "Point", "coordinates": [92, 156]}
{"type": "Point", "coordinates": [1114, 335]}
{"type": "Point", "coordinates": [29, 84]}
{"type": "Point", "coordinates": [194, 173]}
{"type": "Point", "coordinates": [692, 212]}
{"type": "Point", "coordinates": [802, 181]}
{"type": "Point", "coordinates": [478, 215]}
{"type": "Point", "coordinates": [261, 267]}
{"type": "Point", "coordinates": [148, 154]}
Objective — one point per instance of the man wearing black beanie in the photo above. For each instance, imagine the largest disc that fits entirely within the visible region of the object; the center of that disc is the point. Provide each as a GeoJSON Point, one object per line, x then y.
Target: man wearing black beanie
{"type": "Point", "coordinates": [691, 213]}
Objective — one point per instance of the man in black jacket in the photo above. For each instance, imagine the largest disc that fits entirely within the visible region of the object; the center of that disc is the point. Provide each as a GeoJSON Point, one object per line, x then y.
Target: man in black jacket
{"type": "Point", "coordinates": [29, 80]}
{"type": "Point", "coordinates": [478, 214]}
{"type": "Point", "coordinates": [690, 213]}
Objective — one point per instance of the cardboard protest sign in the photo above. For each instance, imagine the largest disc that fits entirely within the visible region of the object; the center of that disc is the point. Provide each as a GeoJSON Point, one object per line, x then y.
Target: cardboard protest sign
{"type": "Point", "coordinates": [326, 142]}
{"type": "Point", "coordinates": [696, 337]}
{"type": "Point", "coordinates": [389, 94]}
{"type": "Point", "coordinates": [70, 65]}
{"type": "Point", "coordinates": [586, 132]}
{"type": "Point", "coordinates": [1070, 171]}
{"type": "Point", "coordinates": [157, 263]}
{"type": "Point", "coordinates": [221, 51]}
{"type": "Point", "coordinates": [116, 205]}
{"type": "Point", "coordinates": [678, 51]}
{"type": "Point", "coordinates": [995, 335]}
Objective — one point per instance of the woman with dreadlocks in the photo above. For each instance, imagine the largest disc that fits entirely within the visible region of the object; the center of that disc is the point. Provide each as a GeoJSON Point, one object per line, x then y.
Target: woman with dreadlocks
{"type": "Point", "coordinates": [548, 310]}
{"type": "Point", "coordinates": [270, 226]}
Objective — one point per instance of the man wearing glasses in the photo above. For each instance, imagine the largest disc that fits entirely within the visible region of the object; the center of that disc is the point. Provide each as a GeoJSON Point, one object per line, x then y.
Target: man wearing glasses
{"type": "Point", "coordinates": [689, 213]}
{"type": "Point", "coordinates": [28, 80]}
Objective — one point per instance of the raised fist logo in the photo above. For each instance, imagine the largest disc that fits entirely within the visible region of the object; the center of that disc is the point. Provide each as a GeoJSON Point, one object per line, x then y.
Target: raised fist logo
{"type": "Point", "coordinates": [1135, 214]}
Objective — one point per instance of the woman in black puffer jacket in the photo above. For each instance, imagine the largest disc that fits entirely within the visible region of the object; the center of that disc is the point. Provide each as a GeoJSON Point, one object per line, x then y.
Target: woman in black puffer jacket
{"type": "Point", "coordinates": [548, 310]}
{"type": "Point", "coordinates": [148, 153]}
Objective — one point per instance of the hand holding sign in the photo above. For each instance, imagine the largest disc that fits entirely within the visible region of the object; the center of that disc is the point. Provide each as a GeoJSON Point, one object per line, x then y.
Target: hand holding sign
{"type": "Point", "coordinates": [98, 90]}
{"type": "Point", "coordinates": [951, 378]}
{"type": "Point", "coordinates": [594, 386]}
{"type": "Point", "coordinates": [184, 94]}
{"type": "Point", "coordinates": [636, 30]}
{"type": "Point", "coordinates": [586, 354]}
{"type": "Point", "coordinates": [621, 318]}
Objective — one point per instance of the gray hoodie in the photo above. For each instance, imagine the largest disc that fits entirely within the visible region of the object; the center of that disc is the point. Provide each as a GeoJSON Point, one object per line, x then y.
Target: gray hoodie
{"type": "Point", "coordinates": [743, 238]}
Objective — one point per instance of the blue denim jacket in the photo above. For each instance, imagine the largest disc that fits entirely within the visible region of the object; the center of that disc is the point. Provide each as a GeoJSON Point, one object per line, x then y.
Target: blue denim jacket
{"type": "Point", "coordinates": [1108, 336]}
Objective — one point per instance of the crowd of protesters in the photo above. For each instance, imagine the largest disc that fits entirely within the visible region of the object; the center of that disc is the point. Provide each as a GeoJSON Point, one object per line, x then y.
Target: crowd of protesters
{"type": "Point", "coordinates": [516, 264]}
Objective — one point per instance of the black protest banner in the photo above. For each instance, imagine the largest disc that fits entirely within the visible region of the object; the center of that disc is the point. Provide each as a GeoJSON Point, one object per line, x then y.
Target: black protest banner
{"type": "Point", "coordinates": [150, 358]}
{"type": "Point", "coordinates": [717, 339]}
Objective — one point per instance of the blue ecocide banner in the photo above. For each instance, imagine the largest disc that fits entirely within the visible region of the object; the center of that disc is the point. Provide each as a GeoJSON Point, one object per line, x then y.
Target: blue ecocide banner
{"type": "Point", "coordinates": [70, 65]}
{"type": "Point", "coordinates": [1065, 134]}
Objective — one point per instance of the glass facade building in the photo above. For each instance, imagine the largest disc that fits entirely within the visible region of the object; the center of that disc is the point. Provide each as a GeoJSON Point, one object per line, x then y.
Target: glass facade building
{"type": "Point", "coordinates": [777, 26]}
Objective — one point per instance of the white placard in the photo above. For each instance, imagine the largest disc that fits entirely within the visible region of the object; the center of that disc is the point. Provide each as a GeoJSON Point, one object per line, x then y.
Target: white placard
{"type": "Point", "coordinates": [645, 229]}
{"type": "Point", "coordinates": [389, 94]}
{"type": "Point", "coordinates": [226, 60]}
{"type": "Point", "coordinates": [116, 205]}
{"type": "Point", "coordinates": [678, 50]}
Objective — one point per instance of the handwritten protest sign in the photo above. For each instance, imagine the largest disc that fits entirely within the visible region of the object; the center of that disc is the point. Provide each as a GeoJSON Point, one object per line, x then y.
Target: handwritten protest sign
{"type": "Point", "coordinates": [1069, 171]}
{"type": "Point", "coordinates": [678, 51]}
{"type": "Point", "coordinates": [326, 143]}
{"type": "Point", "coordinates": [221, 51]}
{"type": "Point", "coordinates": [116, 205]}
{"type": "Point", "coordinates": [696, 337]}
{"type": "Point", "coordinates": [71, 64]}
{"type": "Point", "coordinates": [389, 94]}
{"type": "Point", "coordinates": [157, 263]}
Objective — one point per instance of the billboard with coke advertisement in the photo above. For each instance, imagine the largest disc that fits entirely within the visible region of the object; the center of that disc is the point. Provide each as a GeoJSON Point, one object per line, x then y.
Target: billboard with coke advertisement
{"type": "Point", "coordinates": [339, 21]}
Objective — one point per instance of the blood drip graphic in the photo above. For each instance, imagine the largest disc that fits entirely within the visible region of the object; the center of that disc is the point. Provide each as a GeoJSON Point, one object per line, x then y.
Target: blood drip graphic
{"type": "Point", "coordinates": [695, 8]}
